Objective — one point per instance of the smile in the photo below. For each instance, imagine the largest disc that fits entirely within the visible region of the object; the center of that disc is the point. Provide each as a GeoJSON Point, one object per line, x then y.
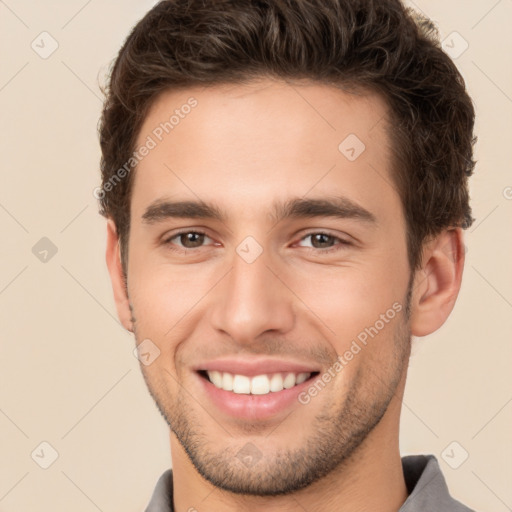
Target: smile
{"type": "Point", "coordinates": [255, 388]}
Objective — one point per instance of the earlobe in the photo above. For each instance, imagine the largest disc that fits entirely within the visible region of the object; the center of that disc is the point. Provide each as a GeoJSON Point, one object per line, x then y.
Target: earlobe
{"type": "Point", "coordinates": [115, 269]}
{"type": "Point", "coordinates": [437, 283]}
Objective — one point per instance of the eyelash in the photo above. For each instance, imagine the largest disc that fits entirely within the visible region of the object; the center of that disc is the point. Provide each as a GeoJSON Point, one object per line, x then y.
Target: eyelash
{"type": "Point", "coordinates": [341, 245]}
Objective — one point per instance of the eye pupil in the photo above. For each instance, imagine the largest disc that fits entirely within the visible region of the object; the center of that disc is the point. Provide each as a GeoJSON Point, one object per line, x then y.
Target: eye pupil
{"type": "Point", "coordinates": [322, 238]}
{"type": "Point", "coordinates": [194, 238]}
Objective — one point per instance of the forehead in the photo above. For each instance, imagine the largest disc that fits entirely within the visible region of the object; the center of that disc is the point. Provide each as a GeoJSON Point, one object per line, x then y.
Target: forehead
{"type": "Point", "coordinates": [249, 143]}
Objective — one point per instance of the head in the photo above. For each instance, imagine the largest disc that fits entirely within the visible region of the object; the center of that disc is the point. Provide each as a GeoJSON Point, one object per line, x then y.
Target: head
{"type": "Point", "coordinates": [269, 116]}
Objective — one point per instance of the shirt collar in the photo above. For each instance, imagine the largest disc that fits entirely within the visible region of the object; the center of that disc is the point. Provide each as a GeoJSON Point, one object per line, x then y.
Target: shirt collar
{"type": "Point", "coordinates": [427, 487]}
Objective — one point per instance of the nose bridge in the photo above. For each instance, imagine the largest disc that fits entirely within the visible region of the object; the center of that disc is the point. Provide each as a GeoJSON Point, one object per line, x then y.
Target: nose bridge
{"type": "Point", "coordinates": [251, 299]}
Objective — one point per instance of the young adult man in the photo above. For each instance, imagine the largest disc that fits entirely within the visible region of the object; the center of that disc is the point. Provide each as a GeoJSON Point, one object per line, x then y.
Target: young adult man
{"type": "Point", "coordinates": [285, 184]}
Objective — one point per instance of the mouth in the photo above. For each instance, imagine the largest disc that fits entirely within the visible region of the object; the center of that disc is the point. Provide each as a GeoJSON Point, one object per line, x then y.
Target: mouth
{"type": "Point", "coordinates": [263, 384]}
{"type": "Point", "coordinates": [254, 389]}
{"type": "Point", "coordinates": [254, 396]}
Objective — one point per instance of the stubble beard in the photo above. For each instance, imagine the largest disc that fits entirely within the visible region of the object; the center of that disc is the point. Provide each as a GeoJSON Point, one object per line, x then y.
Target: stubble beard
{"type": "Point", "coordinates": [332, 441]}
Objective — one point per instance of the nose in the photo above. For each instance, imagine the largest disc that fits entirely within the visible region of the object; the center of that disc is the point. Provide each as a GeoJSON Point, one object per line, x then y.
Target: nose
{"type": "Point", "coordinates": [251, 300]}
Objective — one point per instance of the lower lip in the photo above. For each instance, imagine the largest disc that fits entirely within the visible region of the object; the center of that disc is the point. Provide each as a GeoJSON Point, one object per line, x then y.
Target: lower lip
{"type": "Point", "coordinates": [253, 407]}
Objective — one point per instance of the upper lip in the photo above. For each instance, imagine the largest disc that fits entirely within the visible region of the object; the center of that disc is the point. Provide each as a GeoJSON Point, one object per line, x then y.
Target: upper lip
{"type": "Point", "coordinates": [256, 366]}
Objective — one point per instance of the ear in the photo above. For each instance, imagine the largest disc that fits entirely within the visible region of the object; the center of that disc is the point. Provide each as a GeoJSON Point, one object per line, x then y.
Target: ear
{"type": "Point", "coordinates": [115, 269]}
{"type": "Point", "coordinates": [437, 283]}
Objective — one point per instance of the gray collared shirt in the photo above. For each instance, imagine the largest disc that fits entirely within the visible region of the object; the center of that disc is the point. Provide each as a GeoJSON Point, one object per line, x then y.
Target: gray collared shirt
{"type": "Point", "coordinates": [425, 484]}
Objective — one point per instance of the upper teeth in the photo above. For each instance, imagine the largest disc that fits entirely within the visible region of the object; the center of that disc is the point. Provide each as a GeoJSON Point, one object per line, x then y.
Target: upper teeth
{"type": "Point", "coordinates": [258, 385]}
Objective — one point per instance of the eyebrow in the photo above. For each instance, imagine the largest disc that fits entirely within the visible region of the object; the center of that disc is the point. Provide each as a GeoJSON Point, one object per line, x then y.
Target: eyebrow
{"type": "Point", "coordinates": [338, 207]}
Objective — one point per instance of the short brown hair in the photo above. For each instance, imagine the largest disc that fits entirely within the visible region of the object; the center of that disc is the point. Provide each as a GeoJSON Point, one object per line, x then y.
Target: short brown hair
{"type": "Point", "coordinates": [375, 45]}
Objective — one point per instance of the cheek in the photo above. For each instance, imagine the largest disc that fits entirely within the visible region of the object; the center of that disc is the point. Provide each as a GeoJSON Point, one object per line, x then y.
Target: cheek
{"type": "Point", "coordinates": [163, 297]}
{"type": "Point", "coordinates": [160, 310]}
{"type": "Point", "coordinates": [347, 304]}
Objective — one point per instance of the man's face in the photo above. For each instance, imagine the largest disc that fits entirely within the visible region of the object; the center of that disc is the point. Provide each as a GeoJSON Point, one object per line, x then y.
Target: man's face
{"type": "Point", "coordinates": [267, 291]}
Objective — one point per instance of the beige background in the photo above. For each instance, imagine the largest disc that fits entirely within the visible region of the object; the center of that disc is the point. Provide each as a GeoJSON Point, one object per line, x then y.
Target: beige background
{"type": "Point", "coordinates": [67, 372]}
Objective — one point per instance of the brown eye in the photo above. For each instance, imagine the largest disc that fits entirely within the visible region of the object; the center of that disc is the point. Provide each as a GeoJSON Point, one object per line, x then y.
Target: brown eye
{"type": "Point", "coordinates": [191, 239]}
{"type": "Point", "coordinates": [324, 243]}
{"type": "Point", "coordinates": [186, 241]}
{"type": "Point", "coordinates": [321, 240]}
